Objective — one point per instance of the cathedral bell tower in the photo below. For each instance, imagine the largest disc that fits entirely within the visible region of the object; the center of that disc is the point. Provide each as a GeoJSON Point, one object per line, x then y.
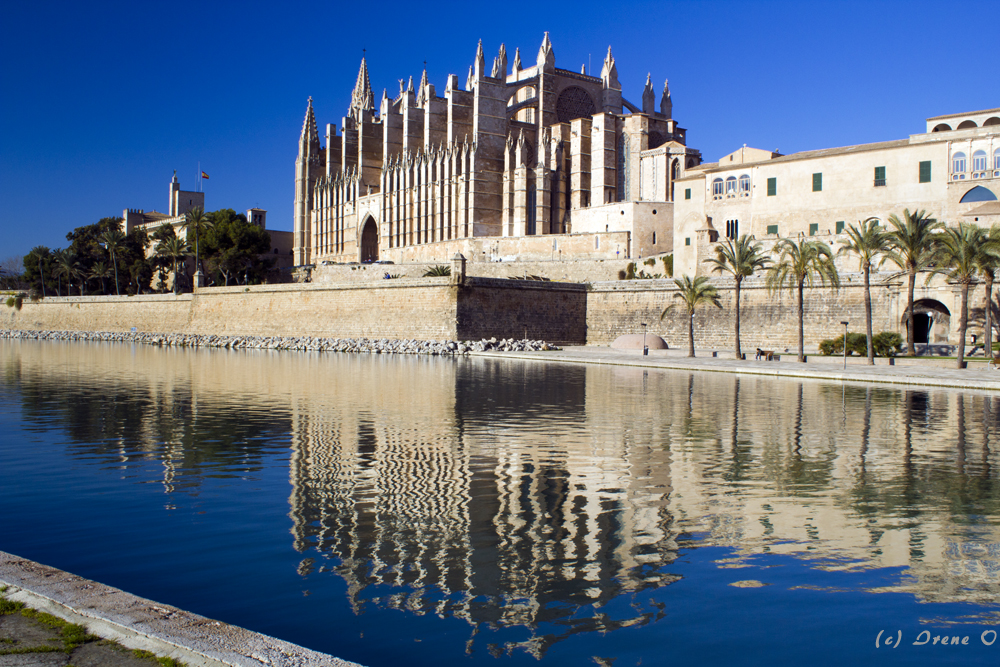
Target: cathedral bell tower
{"type": "Point", "coordinates": [308, 168]}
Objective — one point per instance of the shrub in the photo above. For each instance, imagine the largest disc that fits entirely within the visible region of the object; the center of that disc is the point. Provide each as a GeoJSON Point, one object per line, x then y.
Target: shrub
{"type": "Point", "coordinates": [668, 265]}
{"type": "Point", "coordinates": [621, 274]}
{"type": "Point", "coordinates": [650, 262]}
{"type": "Point", "coordinates": [857, 343]}
{"type": "Point", "coordinates": [887, 344]}
{"type": "Point", "coordinates": [438, 271]}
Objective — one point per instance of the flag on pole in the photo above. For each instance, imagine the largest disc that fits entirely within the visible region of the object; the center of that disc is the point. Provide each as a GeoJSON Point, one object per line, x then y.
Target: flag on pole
{"type": "Point", "coordinates": [204, 175]}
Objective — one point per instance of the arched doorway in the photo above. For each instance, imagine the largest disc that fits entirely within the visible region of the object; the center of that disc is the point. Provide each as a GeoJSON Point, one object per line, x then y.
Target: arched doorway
{"type": "Point", "coordinates": [931, 322]}
{"type": "Point", "coordinates": [369, 241]}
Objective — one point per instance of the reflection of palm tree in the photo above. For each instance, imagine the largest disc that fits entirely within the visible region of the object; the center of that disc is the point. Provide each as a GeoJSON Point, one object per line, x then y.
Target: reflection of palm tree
{"type": "Point", "coordinates": [988, 264]}
{"type": "Point", "coordinates": [799, 264]}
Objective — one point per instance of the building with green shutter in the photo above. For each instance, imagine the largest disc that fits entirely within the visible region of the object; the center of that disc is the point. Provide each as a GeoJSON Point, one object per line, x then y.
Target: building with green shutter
{"type": "Point", "coordinates": [952, 170]}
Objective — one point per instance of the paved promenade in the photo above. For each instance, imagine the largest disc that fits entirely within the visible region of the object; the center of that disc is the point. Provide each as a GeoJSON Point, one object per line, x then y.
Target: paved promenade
{"type": "Point", "coordinates": [928, 372]}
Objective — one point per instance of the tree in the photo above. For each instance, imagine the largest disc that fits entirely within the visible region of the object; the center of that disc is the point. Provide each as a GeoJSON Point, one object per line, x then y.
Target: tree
{"type": "Point", "coordinates": [112, 239]}
{"type": "Point", "coordinates": [988, 264]}
{"type": "Point", "coordinates": [85, 244]}
{"type": "Point", "coordinates": [693, 293]}
{"type": "Point", "coordinates": [67, 265]}
{"type": "Point", "coordinates": [741, 258]}
{"type": "Point", "coordinates": [870, 242]}
{"type": "Point", "coordinates": [799, 264]}
{"type": "Point", "coordinates": [195, 221]}
{"type": "Point", "coordinates": [174, 249]}
{"type": "Point", "coordinates": [100, 271]}
{"type": "Point", "coordinates": [913, 240]}
{"type": "Point", "coordinates": [38, 265]}
{"type": "Point", "coordinates": [959, 254]}
{"type": "Point", "coordinates": [12, 273]}
{"type": "Point", "coordinates": [236, 247]}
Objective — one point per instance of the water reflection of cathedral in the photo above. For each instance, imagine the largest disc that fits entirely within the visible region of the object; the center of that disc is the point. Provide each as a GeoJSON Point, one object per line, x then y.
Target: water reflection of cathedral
{"type": "Point", "coordinates": [478, 512]}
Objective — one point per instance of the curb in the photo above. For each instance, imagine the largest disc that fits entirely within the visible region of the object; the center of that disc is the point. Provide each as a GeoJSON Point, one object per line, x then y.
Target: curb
{"type": "Point", "coordinates": [138, 623]}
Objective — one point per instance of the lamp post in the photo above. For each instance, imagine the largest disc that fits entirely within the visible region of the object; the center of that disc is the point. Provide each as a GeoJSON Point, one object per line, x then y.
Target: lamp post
{"type": "Point", "coordinates": [645, 350]}
{"type": "Point", "coordinates": [845, 344]}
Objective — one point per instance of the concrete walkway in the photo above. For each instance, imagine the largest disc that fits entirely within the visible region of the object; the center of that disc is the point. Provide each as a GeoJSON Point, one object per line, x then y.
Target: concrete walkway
{"type": "Point", "coordinates": [923, 372]}
{"type": "Point", "coordinates": [132, 622]}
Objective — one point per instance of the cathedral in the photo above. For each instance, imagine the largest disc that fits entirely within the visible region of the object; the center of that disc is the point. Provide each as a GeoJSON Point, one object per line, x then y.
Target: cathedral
{"type": "Point", "coordinates": [516, 154]}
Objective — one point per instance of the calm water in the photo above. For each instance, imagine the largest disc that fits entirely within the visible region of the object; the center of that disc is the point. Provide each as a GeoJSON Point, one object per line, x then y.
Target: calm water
{"type": "Point", "coordinates": [424, 511]}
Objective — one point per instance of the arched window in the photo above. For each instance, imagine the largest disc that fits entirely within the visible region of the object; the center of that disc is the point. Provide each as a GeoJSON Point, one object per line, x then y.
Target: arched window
{"type": "Point", "coordinates": [992, 120]}
{"type": "Point", "coordinates": [978, 193]}
{"type": "Point", "coordinates": [745, 185]}
{"type": "Point", "coordinates": [979, 164]}
{"type": "Point", "coordinates": [996, 162]}
{"type": "Point", "coordinates": [967, 125]}
{"type": "Point", "coordinates": [958, 166]}
{"type": "Point", "coordinates": [941, 127]}
{"type": "Point", "coordinates": [717, 189]}
{"type": "Point", "coordinates": [731, 186]}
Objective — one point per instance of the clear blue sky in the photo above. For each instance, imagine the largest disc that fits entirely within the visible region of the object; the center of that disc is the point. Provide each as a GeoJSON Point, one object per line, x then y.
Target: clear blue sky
{"type": "Point", "coordinates": [101, 101]}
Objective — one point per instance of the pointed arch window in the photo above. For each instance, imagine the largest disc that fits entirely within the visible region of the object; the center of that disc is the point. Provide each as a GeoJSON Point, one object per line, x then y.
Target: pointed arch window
{"type": "Point", "coordinates": [979, 164]}
{"type": "Point", "coordinates": [958, 166]}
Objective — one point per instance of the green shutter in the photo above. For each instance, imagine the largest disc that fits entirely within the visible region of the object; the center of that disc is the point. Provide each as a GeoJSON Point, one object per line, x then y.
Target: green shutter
{"type": "Point", "coordinates": [840, 226]}
{"type": "Point", "coordinates": [772, 229]}
{"type": "Point", "coordinates": [687, 195]}
{"type": "Point", "coordinates": [817, 182]}
{"type": "Point", "coordinates": [925, 172]}
{"type": "Point", "coordinates": [813, 228]}
{"type": "Point", "coordinates": [880, 175]}
{"type": "Point", "coordinates": [687, 241]}
{"type": "Point", "coordinates": [772, 189]}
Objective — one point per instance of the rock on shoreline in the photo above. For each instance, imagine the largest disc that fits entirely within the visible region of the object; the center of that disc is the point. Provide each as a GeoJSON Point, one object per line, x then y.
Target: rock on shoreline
{"type": "Point", "coordinates": [293, 343]}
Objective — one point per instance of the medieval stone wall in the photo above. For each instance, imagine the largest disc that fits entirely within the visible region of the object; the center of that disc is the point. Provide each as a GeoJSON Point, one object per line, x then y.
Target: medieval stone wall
{"type": "Point", "coordinates": [552, 312]}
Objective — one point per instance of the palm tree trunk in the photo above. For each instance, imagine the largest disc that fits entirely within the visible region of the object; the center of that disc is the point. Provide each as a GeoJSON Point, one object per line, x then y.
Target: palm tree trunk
{"type": "Point", "coordinates": [802, 354]}
{"type": "Point", "coordinates": [739, 352]}
{"type": "Point", "coordinates": [988, 334]}
{"type": "Point", "coordinates": [114, 260]}
{"type": "Point", "coordinates": [691, 334]}
{"type": "Point", "coordinates": [868, 317]}
{"type": "Point", "coordinates": [910, 346]}
{"type": "Point", "coordinates": [963, 323]}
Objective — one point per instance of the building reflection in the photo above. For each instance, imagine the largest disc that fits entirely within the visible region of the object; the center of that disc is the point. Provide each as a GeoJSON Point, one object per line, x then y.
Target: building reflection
{"type": "Point", "coordinates": [541, 496]}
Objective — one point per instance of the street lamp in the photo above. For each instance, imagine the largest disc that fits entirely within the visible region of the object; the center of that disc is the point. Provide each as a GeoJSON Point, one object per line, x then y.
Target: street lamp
{"type": "Point", "coordinates": [645, 350]}
{"type": "Point", "coordinates": [845, 344]}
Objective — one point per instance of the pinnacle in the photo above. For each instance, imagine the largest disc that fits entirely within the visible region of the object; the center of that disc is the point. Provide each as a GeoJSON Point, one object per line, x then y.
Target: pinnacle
{"type": "Point", "coordinates": [362, 97]}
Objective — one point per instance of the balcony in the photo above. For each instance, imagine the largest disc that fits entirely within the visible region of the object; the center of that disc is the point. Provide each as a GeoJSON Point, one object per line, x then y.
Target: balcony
{"type": "Point", "coordinates": [879, 182]}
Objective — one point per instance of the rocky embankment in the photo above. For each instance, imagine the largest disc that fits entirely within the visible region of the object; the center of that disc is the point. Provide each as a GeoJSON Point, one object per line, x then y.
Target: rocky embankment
{"type": "Point", "coordinates": [300, 343]}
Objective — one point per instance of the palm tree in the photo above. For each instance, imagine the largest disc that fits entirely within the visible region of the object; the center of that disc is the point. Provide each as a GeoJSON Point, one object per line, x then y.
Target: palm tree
{"type": "Point", "coordinates": [869, 242]}
{"type": "Point", "coordinates": [799, 264]}
{"type": "Point", "coordinates": [195, 221]}
{"type": "Point", "coordinates": [100, 270]}
{"type": "Point", "coordinates": [112, 239]}
{"type": "Point", "coordinates": [59, 255]}
{"type": "Point", "coordinates": [988, 264]}
{"type": "Point", "coordinates": [959, 255]}
{"type": "Point", "coordinates": [175, 249]}
{"type": "Point", "coordinates": [913, 240]}
{"type": "Point", "coordinates": [693, 293]}
{"type": "Point", "coordinates": [67, 265]}
{"type": "Point", "coordinates": [741, 258]}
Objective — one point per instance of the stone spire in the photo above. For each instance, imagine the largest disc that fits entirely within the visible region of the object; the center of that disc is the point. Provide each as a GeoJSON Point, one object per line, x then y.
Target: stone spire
{"type": "Point", "coordinates": [648, 96]}
{"type": "Point", "coordinates": [517, 60]}
{"type": "Point", "coordinates": [469, 79]}
{"type": "Point", "coordinates": [362, 98]}
{"type": "Point", "coordinates": [666, 104]}
{"type": "Point", "coordinates": [500, 64]}
{"type": "Point", "coordinates": [309, 140]}
{"type": "Point", "coordinates": [480, 66]}
{"type": "Point", "coordinates": [546, 57]}
{"type": "Point", "coordinates": [422, 93]}
{"type": "Point", "coordinates": [609, 73]}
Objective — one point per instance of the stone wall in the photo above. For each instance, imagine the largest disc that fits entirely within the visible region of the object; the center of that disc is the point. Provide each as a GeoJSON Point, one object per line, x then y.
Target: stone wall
{"type": "Point", "coordinates": [569, 271]}
{"type": "Point", "coordinates": [769, 321]}
{"type": "Point", "coordinates": [553, 312]}
{"type": "Point", "coordinates": [153, 313]}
